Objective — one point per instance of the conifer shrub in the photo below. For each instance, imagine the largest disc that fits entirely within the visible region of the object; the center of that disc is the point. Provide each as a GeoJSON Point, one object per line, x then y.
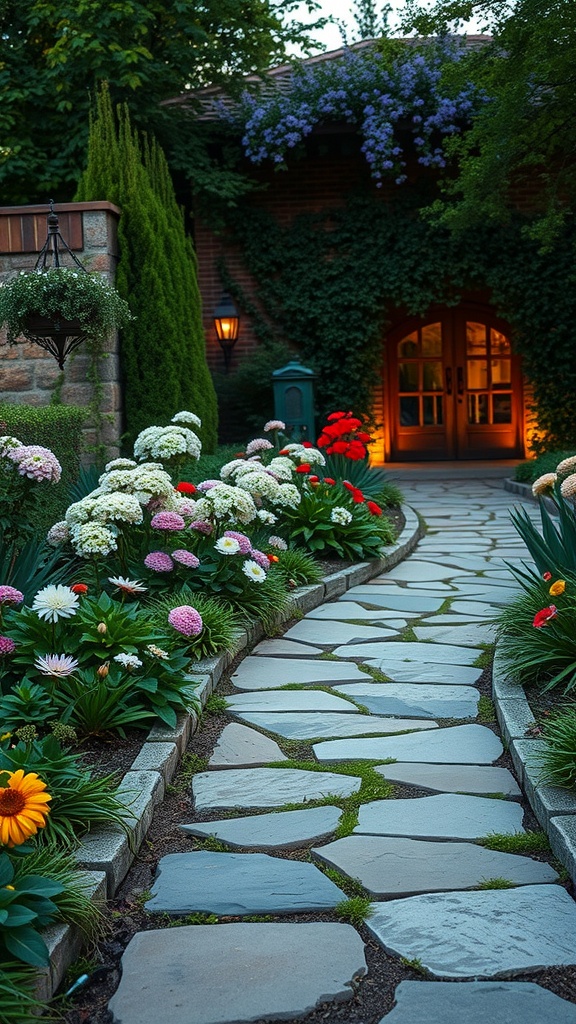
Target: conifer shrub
{"type": "Point", "coordinates": [162, 351]}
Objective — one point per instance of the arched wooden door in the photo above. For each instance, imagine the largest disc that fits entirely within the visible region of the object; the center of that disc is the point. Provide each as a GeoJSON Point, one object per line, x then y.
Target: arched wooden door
{"type": "Point", "coordinates": [454, 388]}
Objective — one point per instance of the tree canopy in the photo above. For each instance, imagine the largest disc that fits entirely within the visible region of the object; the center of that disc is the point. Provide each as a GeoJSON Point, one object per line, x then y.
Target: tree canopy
{"type": "Point", "coordinates": [54, 54]}
{"type": "Point", "coordinates": [526, 136]}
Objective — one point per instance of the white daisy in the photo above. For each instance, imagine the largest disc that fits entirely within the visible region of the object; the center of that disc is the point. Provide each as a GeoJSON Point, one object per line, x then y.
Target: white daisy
{"type": "Point", "coordinates": [55, 602]}
{"type": "Point", "coordinates": [56, 665]}
{"type": "Point", "coordinates": [127, 586]}
{"type": "Point", "coordinates": [227, 546]}
{"type": "Point", "coordinates": [253, 571]}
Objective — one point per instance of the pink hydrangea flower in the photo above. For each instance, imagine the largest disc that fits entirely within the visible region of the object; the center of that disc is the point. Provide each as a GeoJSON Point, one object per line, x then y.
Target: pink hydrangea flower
{"type": "Point", "coordinates": [274, 425]}
{"type": "Point", "coordinates": [159, 561]}
{"type": "Point", "coordinates": [259, 444]}
{"type": "Point", "coordinates": [186, 620]}
{"type": "Point", "coordinates": [167, 521]}
{"type": "Point", "coordinates": [201, 526]}
{"type": "Point", "coordinates": [261, 559]}
{"type": "Point", "coordinates": [207, 485]}
{"type": "Point", "coordinates": [244, 542]}
{"type": "Point", "coordinates": [7, 645]}
{"type": "Point", "coordinates": [9, 595]}
{"type": "Point", "coordinates": [186, 558]}
{"type": "Point", "coordinates": [36, 463]}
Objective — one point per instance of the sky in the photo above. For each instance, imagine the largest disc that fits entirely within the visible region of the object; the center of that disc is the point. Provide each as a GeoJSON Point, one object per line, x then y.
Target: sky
{"type": "Point", "coordinates": [341, 10]}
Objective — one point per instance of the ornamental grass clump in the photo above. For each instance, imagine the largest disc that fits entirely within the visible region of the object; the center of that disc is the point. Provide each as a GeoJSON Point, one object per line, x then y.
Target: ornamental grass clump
{"type": "Point", "coordinates": [555, 544]}
{"type": "Point", "coordinates": [219, 632]}
{"type": "Point", "coordinates": [555, 755]}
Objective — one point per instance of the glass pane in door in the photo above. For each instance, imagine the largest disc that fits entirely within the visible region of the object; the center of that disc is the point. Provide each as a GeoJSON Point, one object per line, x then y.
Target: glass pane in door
{"type": "Point", "coordinates": [476, 339]}
{"type": "Point", "coordinates": [432, 340]}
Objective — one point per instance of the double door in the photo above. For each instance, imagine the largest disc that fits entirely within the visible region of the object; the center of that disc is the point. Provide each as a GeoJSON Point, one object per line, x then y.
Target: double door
{"type": "Point", "coordinates": [454, 389]}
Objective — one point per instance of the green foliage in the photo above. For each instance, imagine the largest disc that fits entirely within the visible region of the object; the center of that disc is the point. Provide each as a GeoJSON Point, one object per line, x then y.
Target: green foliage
{"type": "Point", "coordinates": [148, 52]}
{"type": "Point", "coordinates": [351, 886]}
{"type": "Point", "coordinates": [59, 428]}
{"type": "Point", "coordinates": [73, 902]}
{"type": "Point", "coordinates": [219, 622]}
{"type": "Point", "coordinates": [554, 548]}
{"type": "Point", "coordinates": [298, 566]}
{"type": "Point", "coordinates": [25, 906]}
{"type": "Point", "coordinates": [373, 482]}
{"type": "Point", "coordinates": [545, 656]}
{"type": "Point", "coordinates": [162, 352]}
{"type": "Point", "coordinates": [557, 752]}
{"type": "Point", "coordinates": [18, 1004]}
{"type": "Point", "coordinates": [325, 281]}
{"type": "Point", "coordinates": [486, 711]}
{"type": "Point", "coordinates": [355, 910]}
{"type": "Point", "coordinates": [80, 800]}
{"type": "Point", "coordinates": [516, 842]}
{"type": "Point", "coordinates": [496, 883]}
{"type": "Point", "coordinates": [328, 522]}
{"type": "Point", "coordinates": [546, 462]}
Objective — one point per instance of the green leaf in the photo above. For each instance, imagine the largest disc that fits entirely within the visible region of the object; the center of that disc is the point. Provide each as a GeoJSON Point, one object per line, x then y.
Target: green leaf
{"type": "Point", "coordinates": [27, 945]}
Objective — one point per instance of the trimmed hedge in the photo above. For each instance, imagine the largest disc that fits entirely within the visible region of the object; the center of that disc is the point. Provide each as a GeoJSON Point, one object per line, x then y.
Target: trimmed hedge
{"type": "Point", "coordinates": [58, 427]}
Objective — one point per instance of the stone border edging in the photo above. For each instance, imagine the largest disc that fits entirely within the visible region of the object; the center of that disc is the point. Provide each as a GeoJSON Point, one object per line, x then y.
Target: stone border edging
{"type": "Point", "coordinates": [107, 854]}
{"type": "Point", "coordinates": [525, 491]}
{"type": "Point", "coordinates": [554, 807]}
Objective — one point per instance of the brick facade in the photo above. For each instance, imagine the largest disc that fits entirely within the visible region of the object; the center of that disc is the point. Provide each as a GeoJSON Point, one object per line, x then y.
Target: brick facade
{"type": "Point", "coordinates": [28, 374]}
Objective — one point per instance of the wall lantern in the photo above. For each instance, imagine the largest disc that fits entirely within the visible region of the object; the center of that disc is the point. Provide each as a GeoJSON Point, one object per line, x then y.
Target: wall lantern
{"type": "Point", "coordinates": [226, 322]}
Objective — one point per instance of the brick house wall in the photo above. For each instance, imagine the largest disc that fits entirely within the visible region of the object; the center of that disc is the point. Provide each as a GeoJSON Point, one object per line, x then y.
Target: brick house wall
{"type": "Point", "coordinates": [28, 374]}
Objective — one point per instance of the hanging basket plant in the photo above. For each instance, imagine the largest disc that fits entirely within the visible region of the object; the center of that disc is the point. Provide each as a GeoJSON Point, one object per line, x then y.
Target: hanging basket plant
{"type": "Point", "coordinates": [61, 301]}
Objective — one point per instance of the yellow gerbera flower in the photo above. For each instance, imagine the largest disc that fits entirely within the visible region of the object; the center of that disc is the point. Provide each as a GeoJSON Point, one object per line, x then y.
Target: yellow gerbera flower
{"type": "Point", "coordinates": [557, 588]}
{"type": "Point", "coordinates": [23, 807]}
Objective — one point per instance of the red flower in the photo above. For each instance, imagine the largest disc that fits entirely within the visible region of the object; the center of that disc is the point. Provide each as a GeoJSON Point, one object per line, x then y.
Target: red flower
{"type": "Point", "coordinates": [313, 479]}
{"type": "Point", "coordinates": [322, 441]}
{"type": "Point", "coordinates": [284, 451]}
{"type": "Point", "coordinates": [304, 468]}
{"type": "Point", "coordinates": [79, 588]}
{"type": "Point", "coordinates": [547, 576]}
{"type": "Point", "coordinates": [349, 487]}
{"type": "Point", "coordinates": [185, 488]}
{"type": "Point", "coordinates": [544, 615]}
{"type": "Point", "coordinates": [357, 496]}
{"type": "Point", "coordinates": [338, 448]}
{"type": "Point", "coordinates": [307, 444]}
{"type": "Point", "coordinates": [336, 415]}
{"type": "Point", "coordinates": [272, 558]}
{"type": "Point", "coordinates": [374, 508]}
{"type": "Point", "coordinates": [365, 438]}
{"type": "Point", "coordinates": [329, 480]}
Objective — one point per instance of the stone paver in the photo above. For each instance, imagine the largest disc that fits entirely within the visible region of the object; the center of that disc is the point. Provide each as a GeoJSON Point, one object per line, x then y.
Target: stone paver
{"type": "Point", "coordinates": [390, 867]}
{"type": "Point", "coordinates": [270, 673]}
{"type": "Point", "coordinates": [414, 570]}
{"type": "Point", "coordinates": [239, 746]}
{"type": "Point", "coordinates": [460, 744]}
{"type": "Point", "coordinates": [446, 816]}
{"type": "Point", "coordinates": [397, 600]}
{"type": "Point", "coordinates": [414, 699]}
{"type": "Point", "coordinates": [290, 648]}
{"type": "Point", "coordinates": [465, 635]}
{"type": "Point", "coordinates": [289, 700]}
{"type": "Point", "coordinates": [236, 973]}
{"type": "Point", "coordinates": [409, 650]}
{"type": "Point", "coordinates": [480, 934]}
{"type": "Point", "coordinates": [351, 610]}
{"type": "Point", "coordinates": [503, 1002]}
{"type": "Point", "coordinates": [448, 778]}
{"type": "Point", "coordinates": [238, 884]}
{"type": "Point", "coordinates": [325, 632]}
{"type": "Point", "coordinates": [252, 788]}
{"type": "Point", "coordinates": [282, 829]}
{"type": "Point", "coordinates": [426, 672]}
{"type": "Point", "coordinates": [309, 726]}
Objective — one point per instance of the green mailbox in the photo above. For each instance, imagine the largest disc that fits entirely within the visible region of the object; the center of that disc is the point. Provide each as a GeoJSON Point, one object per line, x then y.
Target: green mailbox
{"type": "Point", "coordinates": [294, 400]}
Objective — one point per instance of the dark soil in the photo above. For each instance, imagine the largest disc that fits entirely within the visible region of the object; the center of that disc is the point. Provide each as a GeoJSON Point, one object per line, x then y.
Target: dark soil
{"type": "Point", "coordinates": [373, 995]}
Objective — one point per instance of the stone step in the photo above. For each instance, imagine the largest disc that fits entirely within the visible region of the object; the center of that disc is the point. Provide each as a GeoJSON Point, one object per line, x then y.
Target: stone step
{"type": "Point", "coordinates": [282, 829]}
{"type": "Point", "coordinates": [476, 1002]}
{"type": "Point", "coordinates": [446, 816]}
{"type": "Point", "coordinates": [254, 788]}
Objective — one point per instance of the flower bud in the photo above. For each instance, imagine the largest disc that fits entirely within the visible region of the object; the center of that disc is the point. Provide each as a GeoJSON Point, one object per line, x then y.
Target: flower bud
{"type": "Point", "coordinates": [103, 671]}
{"type": "Point", "coordinates": [102, 627]}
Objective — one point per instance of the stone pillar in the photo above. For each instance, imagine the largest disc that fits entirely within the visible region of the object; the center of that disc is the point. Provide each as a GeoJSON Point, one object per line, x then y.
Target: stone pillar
{"type": "Point", "coordinates": [28, 374]}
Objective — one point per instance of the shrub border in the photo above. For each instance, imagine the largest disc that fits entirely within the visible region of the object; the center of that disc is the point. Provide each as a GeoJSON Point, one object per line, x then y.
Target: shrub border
{"type": "Point", "coordinates": [107, 853]}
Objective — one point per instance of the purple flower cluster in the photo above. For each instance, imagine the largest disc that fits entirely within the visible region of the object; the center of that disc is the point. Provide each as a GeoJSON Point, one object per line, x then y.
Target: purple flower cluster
{"type": "Point", "coordinates": [7, 645]}
{"type": "Point", "coordinates": [159, 561]}
{"type": "Point", "coordinates": [167, 521]}
{"type": "Point", "coordinates": [244, 542]}
{"type": "Point", "coordinates": [386, 99]}
{"type": "Point", "coordinates": [187, 558]}
{"type": "Point", "coordinates": [9, 595]}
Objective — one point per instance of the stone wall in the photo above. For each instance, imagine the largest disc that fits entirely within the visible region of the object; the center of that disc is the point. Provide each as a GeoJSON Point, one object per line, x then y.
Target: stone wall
{"type": "Point", "coordinates": [28, 375]}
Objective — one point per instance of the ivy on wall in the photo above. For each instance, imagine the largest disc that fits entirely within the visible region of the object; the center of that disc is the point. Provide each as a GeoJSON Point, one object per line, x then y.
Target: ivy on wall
{"type": "Point", "coordinates": [328, 281]}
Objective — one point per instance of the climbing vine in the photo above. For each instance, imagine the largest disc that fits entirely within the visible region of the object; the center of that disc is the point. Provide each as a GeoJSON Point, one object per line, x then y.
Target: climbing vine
{"type": "Point", "coordinates": [327, 282]}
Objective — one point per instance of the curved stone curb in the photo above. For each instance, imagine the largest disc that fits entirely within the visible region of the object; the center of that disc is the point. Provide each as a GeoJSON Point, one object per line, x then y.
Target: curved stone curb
{"type": "Point", "coordinates": [555, 808]}
{"type": "Point", "coordinates": [109, 853]}
{"type": "Point", "coordinates": [525, 491]}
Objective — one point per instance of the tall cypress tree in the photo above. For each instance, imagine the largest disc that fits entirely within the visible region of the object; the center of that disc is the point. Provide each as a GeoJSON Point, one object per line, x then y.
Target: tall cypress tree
{"type": "Point", "coordinates": [162, 351]}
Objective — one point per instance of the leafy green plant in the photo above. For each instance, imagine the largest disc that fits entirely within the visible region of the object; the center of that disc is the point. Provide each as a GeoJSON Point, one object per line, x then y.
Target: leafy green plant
{"type": "Point", "coordinates": [496, 883]}
{"type": "Point", "coordinates": [516, 842]}
{"type": "Point", "coordinates": [546, 462]}
{"type": "Point", "coordinates": [297, 566]}
{"type": "Point", "coordinates": [355, 910]}
{"type": "Point", "coordinates": [372, 481]}
{"type": "Point", "coordinates": [328, 522]}
{"type": "Point", "coordinates": [556, 754]}
{"type": "Point", "coordinates": [540, 652]}
{"type": "Point", "coordinates": [18, 1003]}
{"type": "Point", "coordinates": [25, 906]}
{"type": "Point", "coordinates": [554, 549]}
{"type": "Point", "coordinates": [219, 621]}
{"type": "Point", "coordinates": [80, 800]}
{"type": "Point", "coordinates": [26, 704]}
{"type": "Point", "coordinates": [73, 902]}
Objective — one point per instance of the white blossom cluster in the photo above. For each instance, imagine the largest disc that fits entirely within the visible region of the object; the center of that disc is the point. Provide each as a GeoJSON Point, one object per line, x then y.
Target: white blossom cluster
{"type": "Point", "coordinates": [225, 501]}
{"type": "Point", "coordinates": [93, 539]}
{"type": "Point", "coordinates": [259, 484]}
{"type": "Point", "coordinates": [341, 516]}
{"type": "Point", "coordinates": [167, 442]}
{"type": "Point", "coordinates": [302, 454]}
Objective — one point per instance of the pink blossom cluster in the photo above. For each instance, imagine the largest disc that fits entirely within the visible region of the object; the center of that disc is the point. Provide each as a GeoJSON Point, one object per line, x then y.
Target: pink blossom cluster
{"type": "Point", "coordinates": [187, 558]}
{"type": "Point", "coordinates": [159, 561]}
{"type": "Point", "coordinates": [260, 558]}
{"type": "Point", "coordinates": [9, 595]}
{"type": "Point", "coordinates": [201, 526]}
{"type": "Point", "coordinates": [7, 645]}
{"type": "Point", "coordinates": [35, 462]}
{"type": "Point", "coordinates": [186, 620]}
{"type": "Point", "coordinates": [167, 521]}
{"type": "Point", "coordinates": [244, 542]}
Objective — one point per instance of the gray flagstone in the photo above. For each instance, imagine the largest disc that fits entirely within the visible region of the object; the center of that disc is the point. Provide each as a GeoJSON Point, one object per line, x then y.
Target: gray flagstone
{"type": "Point", "coordinates": [238, 746]}
{"type": "Point", "coordinates": [253, 788]}
{"type": "Point", "coordinates": [291, 648]}
{"type": "Point", "coordinates": [460, 744]}
{"type": "Point", "coordinates": [409, 650]}
{"type": "Point", "coordinates": [446, 816]}
{"type": "Point", "coordinates": [424, 672]}
{"type": "Point", "coordinates": [414, 699]}
{"type": "Point", "coordinates": [512, 1002]}
{"type": "Point", "coordinates": [289, 700]}
{"type": "Point", "coordinates": [270, 673]}
{"type": "Point", "coordinates": [326, 632]}
{"type": "Point", "coordinates": [283, 829]}
{"type": "Point", "coordinates": [308, 725]}
{"type": "Point", "coordinates": [448, 778]}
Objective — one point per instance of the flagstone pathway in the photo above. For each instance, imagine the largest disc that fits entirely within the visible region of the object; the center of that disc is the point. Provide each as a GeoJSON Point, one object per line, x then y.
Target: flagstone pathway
{"type": "Point", "coordinates": [404, 655]}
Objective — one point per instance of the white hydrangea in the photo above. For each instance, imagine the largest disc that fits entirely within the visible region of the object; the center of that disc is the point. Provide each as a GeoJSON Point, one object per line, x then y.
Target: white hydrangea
{"type": "Point", "coordinates": [340, 515]}
{"type": "Point", "coordinates": [302, 454]}
{"type": "Point", "coordinates": [259, 485]}
{"type": "Point", "coordinates": [187, 417]}
{"type": "Point", "coordinates": [235, 468]}
{"type": "Point", "coordinates": [93, 539]}
{"type": "Point", "coordinates": [58, 534]}
{"type": "Point", "coordinates": [166, 442]}
{"type": "Point", "coordinates": [204, 510]}
{"type": "Point", "coordinates": [80, 512]}
{"type": "Point", "coordinates": [117, 506]}
{"type": "Point", "coordinates": [7, 442]}
{"type": "Point", "coordinates": [289, 495]}
{"type": "Point", "coordinates": [267, 518]}
{"type": "Point", "coordinates": [231, 503]}
{"type": "Point", "coordinates": [151, 483]}
{"type": "Point", "coordinates": [120, 464]}
{"type": "Point", "coordinates": [282, 467]}
{"type": "Point", "coordinates": [120, 479]}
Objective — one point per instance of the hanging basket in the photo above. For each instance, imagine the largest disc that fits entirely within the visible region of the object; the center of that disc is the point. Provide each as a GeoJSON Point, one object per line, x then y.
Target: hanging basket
{"type": "Point", "coordinates": [42, 326]}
